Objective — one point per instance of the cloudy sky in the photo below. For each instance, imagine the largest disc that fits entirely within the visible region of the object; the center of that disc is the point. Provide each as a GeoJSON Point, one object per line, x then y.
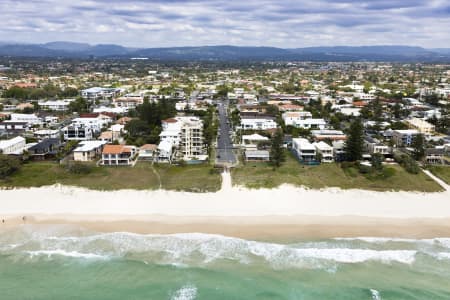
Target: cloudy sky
{"type": "Point", "coordinates": [280, 23]}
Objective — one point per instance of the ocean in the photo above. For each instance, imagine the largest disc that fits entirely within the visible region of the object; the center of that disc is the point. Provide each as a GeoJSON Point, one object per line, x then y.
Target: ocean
{"type": "Point", "coordinates": [64, 262]}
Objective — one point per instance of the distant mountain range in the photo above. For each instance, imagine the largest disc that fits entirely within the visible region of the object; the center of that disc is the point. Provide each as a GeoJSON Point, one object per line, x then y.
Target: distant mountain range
{"type": "Point", "coordinates": [338, 53]}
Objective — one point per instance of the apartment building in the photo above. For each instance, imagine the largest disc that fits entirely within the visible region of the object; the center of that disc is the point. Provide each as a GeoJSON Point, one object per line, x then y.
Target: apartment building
{"type": "Point", "coordinates": [421, 125]}
{"type": "Point", "coordinates": [404, 138]}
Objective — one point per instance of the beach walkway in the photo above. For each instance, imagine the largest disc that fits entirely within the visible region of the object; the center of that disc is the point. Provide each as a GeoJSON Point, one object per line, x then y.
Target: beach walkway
{"type": "Point", "coordinates": [438, 180]}
{"type": "Point", "coordinates": [226, 180]}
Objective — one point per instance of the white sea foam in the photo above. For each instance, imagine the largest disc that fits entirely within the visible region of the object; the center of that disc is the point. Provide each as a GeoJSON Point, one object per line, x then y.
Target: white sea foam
{"type": "Point", "coordinates": [60, 252]}
{"type": "Point", "coordinates": [197, 249]}
{"type": "Point", "coordinates": [375, 294]}
{"type": "Point", "coordinates": [187, 292]}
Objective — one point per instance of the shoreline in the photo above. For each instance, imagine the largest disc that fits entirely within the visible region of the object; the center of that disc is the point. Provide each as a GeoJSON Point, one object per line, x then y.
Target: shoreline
{"type": "Point", "coordinates": [283, 213]}
{"type": "Point", "coordinates": [270, 228]}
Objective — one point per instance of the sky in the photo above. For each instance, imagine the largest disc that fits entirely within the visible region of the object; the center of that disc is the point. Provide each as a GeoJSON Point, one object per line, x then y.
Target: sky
{"type": "Point", "coordinates": [278, 23]}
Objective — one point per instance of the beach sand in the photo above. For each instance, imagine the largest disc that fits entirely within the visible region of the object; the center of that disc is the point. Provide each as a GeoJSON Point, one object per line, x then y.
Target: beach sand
{"type": "Point", "coordinates": [280, 213]}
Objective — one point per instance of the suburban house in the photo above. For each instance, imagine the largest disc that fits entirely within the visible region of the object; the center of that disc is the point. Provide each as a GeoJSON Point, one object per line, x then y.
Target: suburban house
{"type": "Point", "coordinates": [250, 142]}
{"type": "Point", "coordinates": [99, 93]}
{"type": "Point", "coordinates": [13, 127]}
{"type": "Point", "coordinates": [78, 133]}
{"type": "Point", "coordinates": [305, 151]}
{"type": "Point", "coordinates": [325, 151]}
{"type": "Point", "coordinates": [45, 149]}
{"type": "Point", "coordinates": [257, 155]}
{"type": "Point", "coordinates": [118, 155]}
{"type": "Point", "coordinates": [339, 150]}
{"type": "Point", "coordinates": [165, 151]}
{"type": "Point", "coordinates": [55, 105]}
{"type": "Point", "coordinates": [47, 134]}
{"type": "Point", "coordinates": [128, 102]}
{"type": "Point", "coordinates": [88, 150]}
{"type": "Point", "coordinates": [435, 156]}
{"type": "Point", "coordinates": [258, 123]}
{"type": "Point", "coordinates": [30, 119]}
{"type": "Point", "coordinates": [13, 146]}
{"type": "Point", "coordinates": [291, 118]}
{"type": "Point", "coordinates": [148, 152]}
{"type": "Point", "coordinates": [404, 138]}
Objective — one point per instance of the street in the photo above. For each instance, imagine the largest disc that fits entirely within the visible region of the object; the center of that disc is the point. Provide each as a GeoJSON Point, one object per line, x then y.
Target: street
{"type": "Point", "coordinates": [225, 154]}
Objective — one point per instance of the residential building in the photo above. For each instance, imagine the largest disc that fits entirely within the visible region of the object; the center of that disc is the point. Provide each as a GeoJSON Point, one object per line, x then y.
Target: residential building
{"type": "Point", "coordinates": [257, 155]}
{"type": "Point", "coordinates": [434, 156]}
{"type": "Point", "coordinates": [78, 133]}
{"type": "Point", "coordinates": [404, 138]}
{"type": "Point", "coordinates": [258, 123]}
{"type": "Point", "coordinates": [13, 127]}
{"type": "Point", "coordinates": [118, 155]}
{"type": "Point", "coordinates": [148, 152]}
{"type": "Point", "coordinates": [55, 105]}
{"type": "Point", "coordinates": [305, 151]}
{"type": "Point", "coordinates": [47, 134]}
{"type": "Point", "coordinates": [311, 124]}
{"type": "Point", "coordinates": [332, 135]}
{"type": "Point", "coordinates": [30, 119]}
{"type": "Point", "coordinates": [191, 139]}
{"type": "Point", "coordinates": [99, 93]}
{"type": "Point", "coordinates": [291, 118]}
{"type": "Point", "coordinates": [339, 150]}
{"type": "Point", "coordinates": [250, 142]}
{"type": "Point", "coordinates": [128, 102]}
{"type": "Point", "coordinates": [375, 146]}
{"type": "Point", "coordinates": [13, 146]}
{"type": "Point", "coordinates": [45, 149]}
{"type": "Point", "coordinates": [88, 150]}
{"type": "Point", "coordinates": [421, 125]}
{"type": "Point", "coordinates": [325, 151]}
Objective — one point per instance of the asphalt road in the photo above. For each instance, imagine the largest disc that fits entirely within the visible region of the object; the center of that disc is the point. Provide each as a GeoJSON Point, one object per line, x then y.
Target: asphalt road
{"type": "Point", "coordinates": [224, 144]}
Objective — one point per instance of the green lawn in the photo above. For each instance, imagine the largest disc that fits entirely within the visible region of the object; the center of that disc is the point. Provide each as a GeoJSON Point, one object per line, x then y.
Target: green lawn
{"type": "Point", "coordinates": [141, 177]}
{"type": "Point", "coordinates": [257, 175]}
{"type": "Point", "coordinates": [443, 172]}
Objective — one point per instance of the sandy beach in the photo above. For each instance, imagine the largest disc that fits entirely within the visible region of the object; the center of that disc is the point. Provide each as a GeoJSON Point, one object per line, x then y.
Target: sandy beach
{"type": "Point", "coordinates": [283, 212]}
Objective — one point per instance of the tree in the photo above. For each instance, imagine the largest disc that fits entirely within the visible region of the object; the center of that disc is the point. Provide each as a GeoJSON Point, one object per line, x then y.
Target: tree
{"type": "Point", "coordinates": [418, 145]}
{"type": "Point", "coordinates": [377, 161]}
{"type": "Point", "coordinates": [355, 141]}
{"type": "Point", "coordinates": [8, 165]}
{"type": "Point", "coordinates": [277, 156]}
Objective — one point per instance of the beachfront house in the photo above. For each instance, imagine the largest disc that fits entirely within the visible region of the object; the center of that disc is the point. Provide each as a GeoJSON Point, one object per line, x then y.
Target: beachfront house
{"type": "Point", "coordinates": [148, 152]}
{"type": "Point", "coordinates": [14, 146]}
{"type": "Point", "coordinates": [45, 149]}
{"type": "Point", "coordinates": [251, 142]}
{"type": "Point", "coordinates": [88, 150]}
{"type": "Point", "coordinates": [305, 151]}
{"type": "Point", "coordinates": [118, 155]}
{"type": "Point", "coordinates": [325, 151]}
{"type": "Point", "coordinates": [257, 155]}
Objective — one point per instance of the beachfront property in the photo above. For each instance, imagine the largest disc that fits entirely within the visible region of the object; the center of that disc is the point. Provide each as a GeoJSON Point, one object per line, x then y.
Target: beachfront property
{"type": "Point", "coordinates": [185, 135]}
{"type": "Point", "coordinates": [404, 138]}
{"type": "Point", "coordinates": [118, 155]}
{"type": "Point", "coordinates": [373, 146]}
{"type": "Point", "coordinates": [421, 125]}
{"type": "Point", "coordinates": [305, 151]}
{"type": "Point", "coordinates": [14, 146]}
{"type": "Point", "coordinates": [45, 149]}
{"type": "Point", "coordinates": [251, 142]}
{"type": "Point", "coordinates": [88, 150]}
{"type": "Point", "coordinates": [148, 152]}
{"type": "Point", "coordinates": [325, 151]}
{"type": "Point", "coordinates": [257, 123]}
{"type": "Point", "coordinates": [257, 155]}
{"type": "Point", "coordinates": [435, 156]}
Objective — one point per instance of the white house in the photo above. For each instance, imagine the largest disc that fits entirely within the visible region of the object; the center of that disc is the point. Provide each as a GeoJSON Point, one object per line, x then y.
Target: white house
{"type": "Point", "coordinates": [47, 134]}
{"type": "Point", "coordinates": [291, 118]}
{"type": "Point", "coordinates": [55, 105]}
{"type": "Point", "coordinates": [258, 123]}
{"type": "Point", "coordinates": [30, 119]}
{"type": "Point", "coordinates": [99, 92]}
{"type": "Point", "coordinates": [306, 151]}
{"type": "Point", "coordinates": [311, 124]}
{"type": "Point", "coordinates": [118, 155]}
{"type": "Point", "coordinates": [88, 150]}
{"type": "Point", "coordinates": [12, 146]}
{"type": "Point", "coordinates": [78, 133]}
{"type": "Point", "coordinates": [250, 142]}
{"type": "Point", "coordinates": [325, 150]}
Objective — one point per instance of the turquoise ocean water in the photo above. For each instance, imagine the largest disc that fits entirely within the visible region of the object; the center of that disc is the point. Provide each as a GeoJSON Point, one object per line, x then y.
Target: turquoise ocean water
{"type": "Point", "coordinates": [62, 262]}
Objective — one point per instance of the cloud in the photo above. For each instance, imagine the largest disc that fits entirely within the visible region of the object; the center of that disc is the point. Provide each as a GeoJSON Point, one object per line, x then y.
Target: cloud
{"type": "Point", "coordinates": [279, 23]}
